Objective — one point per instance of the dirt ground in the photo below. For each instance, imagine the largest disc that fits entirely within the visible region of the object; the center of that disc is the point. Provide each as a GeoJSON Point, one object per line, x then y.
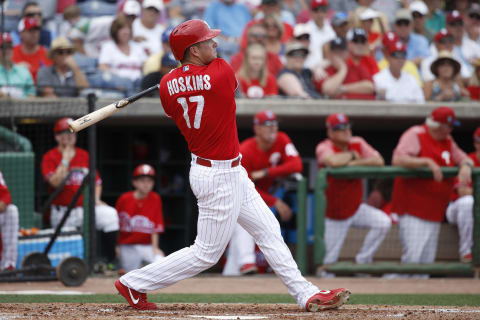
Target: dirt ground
{"type": "Point", "coordinates": [257, 284]}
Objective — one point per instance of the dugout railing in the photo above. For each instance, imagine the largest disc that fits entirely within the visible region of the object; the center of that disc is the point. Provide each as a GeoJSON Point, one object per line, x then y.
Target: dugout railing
{"type": "Point", "coordinates": [438, 268]}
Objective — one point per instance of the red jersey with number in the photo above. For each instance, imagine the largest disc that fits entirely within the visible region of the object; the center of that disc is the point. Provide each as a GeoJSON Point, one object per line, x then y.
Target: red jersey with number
{"type": "Point", "coordinates": [281, 160]}
{"type": "Point", "coordinates": [344, 196]}
{"type": "Point", "coordinates": [426, 198]}
{"type": "Point", "coordinates": [201, 101]}
{"type": "Point", "coordinates": [52, 159]}
{"type": "Point", "coordinates": [4, 193]}
{"type": "Point", "coordinates": [139, 218]}
{"type": "Point", "coordinates": [253, 88]}
{"type": "Point", "coordinates": [35, 61]}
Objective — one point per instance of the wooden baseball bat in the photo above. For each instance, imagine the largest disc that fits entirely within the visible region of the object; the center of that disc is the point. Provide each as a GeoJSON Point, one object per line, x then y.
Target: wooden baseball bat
{"type": "Point", "coordinates": [102, 113]}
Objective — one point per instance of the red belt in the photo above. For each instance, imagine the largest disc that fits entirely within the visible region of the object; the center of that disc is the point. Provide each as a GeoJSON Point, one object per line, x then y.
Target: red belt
{"type": "Point", "coordinates": [208, 163]}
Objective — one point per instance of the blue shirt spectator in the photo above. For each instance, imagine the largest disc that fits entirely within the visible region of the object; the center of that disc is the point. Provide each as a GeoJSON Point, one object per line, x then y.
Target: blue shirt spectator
{"type": "Point", "coordinates": [228, 16]}
{"type": "Point", "coordinates": [417, 46]}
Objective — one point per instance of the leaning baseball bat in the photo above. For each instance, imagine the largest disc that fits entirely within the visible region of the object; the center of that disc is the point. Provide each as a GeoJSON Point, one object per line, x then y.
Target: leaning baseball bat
{"type": "Point", "coordinates": [102, 113]}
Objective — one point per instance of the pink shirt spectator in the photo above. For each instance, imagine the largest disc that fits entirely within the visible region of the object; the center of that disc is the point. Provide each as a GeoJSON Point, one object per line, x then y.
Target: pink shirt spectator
{"type": "Point", "coordinates": [326, 148]}
{"type": "Point", "coordinates": [409, 144]}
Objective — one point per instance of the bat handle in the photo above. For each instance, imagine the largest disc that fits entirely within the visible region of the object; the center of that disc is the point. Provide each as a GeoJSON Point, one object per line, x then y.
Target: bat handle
{"type": "Point", "coordinates": [137, 96]}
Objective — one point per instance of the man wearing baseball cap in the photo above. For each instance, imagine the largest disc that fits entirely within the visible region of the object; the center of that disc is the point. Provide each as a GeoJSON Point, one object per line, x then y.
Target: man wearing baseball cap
{"type": "Point", "coordinates": [15, 79]}
{"type": "Point", "coordinates": [417, 44]}
{"type": "Point", "coordinates": [344, 196]}
{"type": "Point", "coordinates": [268, 156]}
{"type": "Point", "coordinates": [56, 165]}
{"type": "Point", "coordinates": [391, 83]}
{"type": "Point", "coordinates": [146, 30]}
{"type": "Point", "coordinates": [468, 49]}
{"type": "Point", "coordinates": [29, 51]}
{"type": "Point", "coordinates": [387, 39]}
{"type": "Point", "coordinates": [420, 202]}
{"type": "Point", "coordinates": [460, 208]}
{"type": "Point", "coordinates": [320, 31]}
{"type": "Point", "coordinates": [443, 41]}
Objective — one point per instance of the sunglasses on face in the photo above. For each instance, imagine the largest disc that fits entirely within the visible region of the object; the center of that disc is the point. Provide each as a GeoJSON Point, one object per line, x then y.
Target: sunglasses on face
{"type": "Point", "coordinates": [359, 40]}
{"type": "Point", "coordinates": [399, 54]}
{"type": "Point", "coordinates": [303, 37]}
{"type": "Point", "coordinates": [417, 15]}
{"type": "Point", "coordinates": [341, 127]}
{"type": "Point", "coordinates": [475, 16]}
{"type": "Point", "coordinates": [270, 123]}
{"type": "Point", "coordinates": [33, 14]}
{"type": "Point", "coordinates": [446, 40]}
{"type": "Point", "coordinates": [64, 51]}
{"type": "Point", "coordinates": [258, 35]}
{"type": "Point", "coordinates": [458, 23]}
{"type": "Point", "coordinates": [297, 53]}
{"type": "Point", "coordinates": [320, 9]}
{"type": "Point", "coordinates": [7, 46]}
{"type": "Point", "coordinates": [402, 23]}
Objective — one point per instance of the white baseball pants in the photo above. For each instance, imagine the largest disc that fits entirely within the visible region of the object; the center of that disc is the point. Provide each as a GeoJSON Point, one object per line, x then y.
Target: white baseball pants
{"type": "Point", "coordinates": [460, 212]}
{"type": "Point", "coordinates": [9, 230]}
{"type": "Point", "coordinates": [225, 195]}
{"type": "Point", "coordinates": [106, 217]}
{"type": "Point", "coordinates": [133, 255]}
{"type": "Point", "coordinates": [419, 239]}
{"type": "Point", "coordinates": [241, 251]}
{"type": "Point", "coordinates": [366, 216]}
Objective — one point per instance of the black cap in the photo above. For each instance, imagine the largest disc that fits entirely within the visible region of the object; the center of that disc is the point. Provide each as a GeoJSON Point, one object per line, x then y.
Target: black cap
{"type": "Point", "coordinates": [356, 33]}
{"type": "Point", "coordinates": [338, 43]}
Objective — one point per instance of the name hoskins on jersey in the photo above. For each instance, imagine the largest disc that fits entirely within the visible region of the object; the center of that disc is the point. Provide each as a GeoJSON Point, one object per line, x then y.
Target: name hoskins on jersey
{"type": "Point", "coordinates": [189, 83]}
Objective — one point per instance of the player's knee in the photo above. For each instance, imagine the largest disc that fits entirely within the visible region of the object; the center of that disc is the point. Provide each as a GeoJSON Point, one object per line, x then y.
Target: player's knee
{"type": "Point", "coordinates": [465, 203]}
{"type": "Point", "coordinates": [207, 258]}
{"type": "Point", "coordinates": [12, 212]}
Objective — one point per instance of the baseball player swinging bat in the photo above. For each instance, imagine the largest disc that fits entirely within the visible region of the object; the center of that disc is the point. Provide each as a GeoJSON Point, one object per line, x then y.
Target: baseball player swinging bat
{"type": "Point", "coordinates": [105, 112]}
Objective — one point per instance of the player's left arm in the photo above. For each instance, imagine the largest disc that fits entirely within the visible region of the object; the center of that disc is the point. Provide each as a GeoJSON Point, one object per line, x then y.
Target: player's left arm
{"type": "Point", "coordinates": [368, 157]}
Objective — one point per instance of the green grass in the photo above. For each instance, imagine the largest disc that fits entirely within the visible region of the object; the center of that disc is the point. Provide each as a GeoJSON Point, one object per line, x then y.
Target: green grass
{"type": "Point", "coordinates": [472, 300]}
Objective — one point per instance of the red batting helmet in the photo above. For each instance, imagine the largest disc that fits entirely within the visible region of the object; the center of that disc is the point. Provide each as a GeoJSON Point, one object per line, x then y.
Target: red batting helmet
{"type": "Point", "coordinates": [144, 170]}
{"type": "Point", "coordinates": [62, 125]}
{"type": "Point", "coordinates": [188, 33]}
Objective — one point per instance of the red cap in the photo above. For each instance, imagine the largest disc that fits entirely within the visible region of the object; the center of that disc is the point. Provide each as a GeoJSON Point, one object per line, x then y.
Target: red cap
{"type": "Point", "coordinates": [441, 34]}
{"type": "Point", "coordinates": [27, 24]}
{"type": "Point", "coordinates": [444, 115]}
{"type": "Point", "coordinates": [62, 125]}
{"type": "Point", "coordinates": [455, 15]}
{"type": "Point", "coordinates": [144, 170]}
{"type": "Point", "coordinates": [396, 46]}
{"type": "Point", "coordinates": [5, 37]}
{"type": "Point", "coordinates": [265, 116]}
{"type": "Point", "coordinates": [476, 135]}
{"type": "Point", "coordinates": [388, 38]}
{"type": "Point", "coordinates": [318, 3]}
{"type": "Point", "coordinates": [336, 119]}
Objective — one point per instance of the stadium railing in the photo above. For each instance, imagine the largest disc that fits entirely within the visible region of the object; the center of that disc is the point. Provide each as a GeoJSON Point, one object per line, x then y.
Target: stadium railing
{"type": "Point", "coordinates": [385, 266]}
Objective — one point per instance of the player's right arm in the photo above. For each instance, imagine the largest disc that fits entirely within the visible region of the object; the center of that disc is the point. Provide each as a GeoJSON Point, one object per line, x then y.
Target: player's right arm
{"type": "Point", "coordinates": [326, 157]}
{"type": "Point", "coordinates": [406, 154]}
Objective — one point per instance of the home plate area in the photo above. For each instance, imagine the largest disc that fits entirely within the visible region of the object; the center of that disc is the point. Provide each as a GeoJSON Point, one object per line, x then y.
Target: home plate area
{"type": "Point", "coordinates": [191, 311]}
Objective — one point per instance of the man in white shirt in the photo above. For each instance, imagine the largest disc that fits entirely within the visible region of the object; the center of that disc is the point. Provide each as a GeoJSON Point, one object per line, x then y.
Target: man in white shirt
{"type": "Point", "coordinates": [146, 29]}
{"type": "Point", "coordinates": [320, 32]}
{"type": "Point", "coordinates": [443, 41]}
{"type": "Point", "coordinates": [393, 84]}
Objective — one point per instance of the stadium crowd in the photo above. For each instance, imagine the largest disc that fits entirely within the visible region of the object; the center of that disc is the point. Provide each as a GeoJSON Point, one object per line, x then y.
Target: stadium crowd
{"type": "Point", "coordinates": [311, 49]}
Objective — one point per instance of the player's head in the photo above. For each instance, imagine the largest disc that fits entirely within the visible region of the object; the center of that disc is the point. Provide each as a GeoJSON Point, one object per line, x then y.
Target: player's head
{"type": "Point", "coordinates": [193, 40]}
{"type": "Point", "coordinates": [338, 128]}
{"type": "Point", "coordinates": [265, 126]}
{"type": "Point", "coordinates": [62, 135]}
{"type": "Point", "coordinates": [440, 122]}
{"type": "Point", "coordinates": [476, 139]}
{"type": "Point", "coordinates": [143, 178]}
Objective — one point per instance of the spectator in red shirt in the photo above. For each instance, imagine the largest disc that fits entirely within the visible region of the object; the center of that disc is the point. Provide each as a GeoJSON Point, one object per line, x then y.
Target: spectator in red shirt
{"type": "Point", "coordinates": [29, 51]}
{"type": "Point", "coordinates": [257, 34]}
{"type": "Point", "coordinates": [474, 82]}
{"type": "Point", "coordinates": [348, 77]}
{"type": "Point", "coordinates": [254, 78]}
{"type": "Point", "coordinates": [141, 221]}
